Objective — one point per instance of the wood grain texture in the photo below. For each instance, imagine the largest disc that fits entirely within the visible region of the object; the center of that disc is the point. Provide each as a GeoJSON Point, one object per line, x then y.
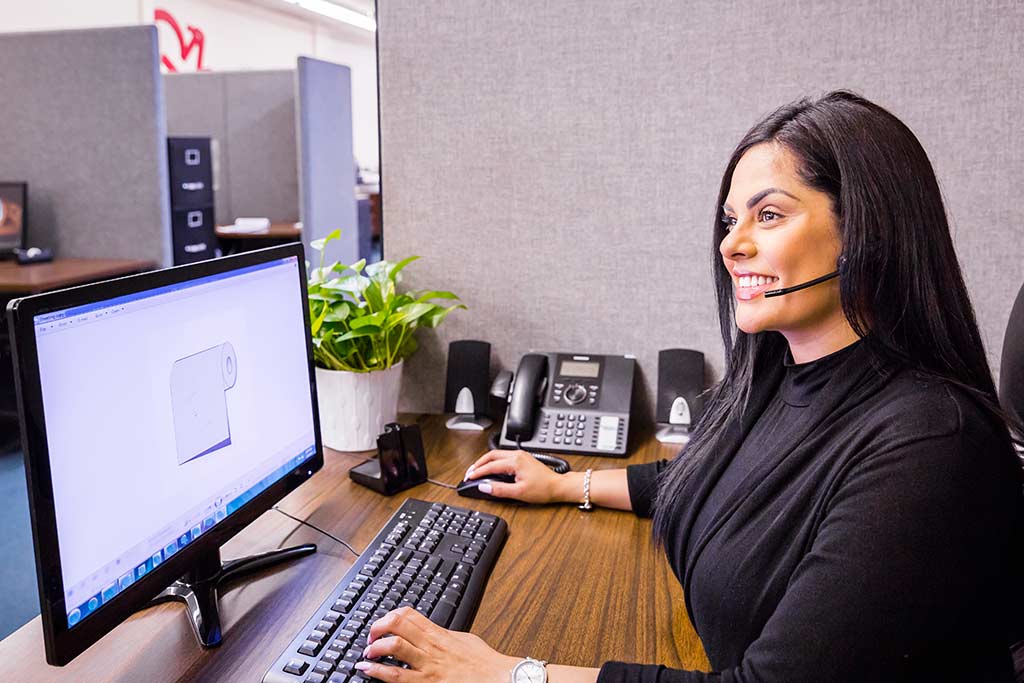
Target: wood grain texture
{"type": "Point", "coordinates": [275, 230]}
{"type": "Point", "coordinates": [570, 587]}
{"type": "Point", "coordinates": [42, 277]}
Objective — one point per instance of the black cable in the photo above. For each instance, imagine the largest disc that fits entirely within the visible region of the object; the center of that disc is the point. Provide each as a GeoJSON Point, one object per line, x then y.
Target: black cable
{"type": "Point", "coordinates": [313, 526]}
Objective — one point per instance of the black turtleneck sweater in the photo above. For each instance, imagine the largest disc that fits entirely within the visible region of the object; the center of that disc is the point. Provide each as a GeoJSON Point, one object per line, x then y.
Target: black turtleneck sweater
{"type": "Point", "coordinates": [857, 523]}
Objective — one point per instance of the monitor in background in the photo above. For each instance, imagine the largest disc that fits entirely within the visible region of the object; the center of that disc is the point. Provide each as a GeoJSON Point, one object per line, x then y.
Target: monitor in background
{"type": "Point", "coordinates": [13, 216]}
{"type": "Point", "coordinates": [161, 413]}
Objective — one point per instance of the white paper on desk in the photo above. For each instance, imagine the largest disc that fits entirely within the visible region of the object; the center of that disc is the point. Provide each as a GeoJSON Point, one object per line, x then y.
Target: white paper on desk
{"type": "Point", "coordinates": [241, 229]}
{"type": "Point", "coordinates": [199, 403]}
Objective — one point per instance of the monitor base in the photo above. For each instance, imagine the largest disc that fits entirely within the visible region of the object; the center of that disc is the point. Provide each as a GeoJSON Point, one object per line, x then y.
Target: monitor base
{"type": "Point", "coordinates": [198, 588]}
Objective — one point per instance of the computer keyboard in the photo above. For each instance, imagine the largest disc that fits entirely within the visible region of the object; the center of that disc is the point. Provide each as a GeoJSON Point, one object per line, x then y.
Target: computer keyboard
{"type": "Point", "coordinates": [432, 557]}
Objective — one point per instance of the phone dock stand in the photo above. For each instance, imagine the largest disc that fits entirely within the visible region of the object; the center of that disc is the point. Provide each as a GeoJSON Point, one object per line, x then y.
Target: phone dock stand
{"type": "Point", "coordinates": [399, 465]}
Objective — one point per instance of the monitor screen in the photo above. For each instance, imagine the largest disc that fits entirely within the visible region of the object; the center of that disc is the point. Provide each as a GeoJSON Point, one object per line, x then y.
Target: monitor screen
{"type": "Point", "coordinates": [166, 411]}
{"type": "Point", "coordinates": [13, 198]}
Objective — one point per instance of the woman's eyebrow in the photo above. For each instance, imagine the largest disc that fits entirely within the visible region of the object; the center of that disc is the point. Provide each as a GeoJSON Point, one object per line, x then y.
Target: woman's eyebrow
{"type": "Point", "coordinates": [758, 197]}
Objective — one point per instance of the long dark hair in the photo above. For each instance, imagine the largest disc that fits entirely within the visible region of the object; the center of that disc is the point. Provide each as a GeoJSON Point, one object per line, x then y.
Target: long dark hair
{"type": "Point", "coordinates": [899, 278]}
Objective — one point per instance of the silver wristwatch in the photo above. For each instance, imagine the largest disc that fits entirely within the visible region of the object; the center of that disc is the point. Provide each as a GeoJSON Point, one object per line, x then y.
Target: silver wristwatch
{"type": "Point", "coordinates": [530, 670]}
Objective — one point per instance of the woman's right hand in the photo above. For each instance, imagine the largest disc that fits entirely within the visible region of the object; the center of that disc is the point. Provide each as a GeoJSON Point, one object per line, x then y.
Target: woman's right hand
{"type": "Point", "coordinates": [535, 482]}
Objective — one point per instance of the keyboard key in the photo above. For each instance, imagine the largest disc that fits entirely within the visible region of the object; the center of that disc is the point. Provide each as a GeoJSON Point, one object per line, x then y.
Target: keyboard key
{"type": "Point", "coordinates": [443, 613]}
{"type": "Point", "coordinates": [296, 667]}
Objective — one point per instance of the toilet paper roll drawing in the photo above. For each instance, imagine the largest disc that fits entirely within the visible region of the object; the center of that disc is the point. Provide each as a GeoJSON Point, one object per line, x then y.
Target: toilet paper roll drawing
{"type": "Point", "coordinates": [198, 399]}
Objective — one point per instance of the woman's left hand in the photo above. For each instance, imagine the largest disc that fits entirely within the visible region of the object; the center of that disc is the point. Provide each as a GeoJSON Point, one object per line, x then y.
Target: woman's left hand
{"type": "Point", "coordinates": [434, 654]}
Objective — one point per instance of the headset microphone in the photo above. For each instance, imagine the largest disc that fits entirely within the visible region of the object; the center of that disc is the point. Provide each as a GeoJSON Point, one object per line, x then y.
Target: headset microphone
{"type": "Point", "coordinates": [809, 283]}
{"type": "Point", "coordinates": [805, 285]}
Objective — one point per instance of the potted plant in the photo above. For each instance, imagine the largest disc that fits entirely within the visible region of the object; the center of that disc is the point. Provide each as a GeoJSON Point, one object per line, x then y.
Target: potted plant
{"type": "Point", "coordinates": [362, 329]}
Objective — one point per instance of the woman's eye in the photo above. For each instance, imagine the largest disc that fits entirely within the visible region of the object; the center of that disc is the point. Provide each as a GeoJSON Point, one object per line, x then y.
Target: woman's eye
{"type": "Point", "coordinates": [768, 215]}
{"type": "Point", "coordinates": [729, 222]}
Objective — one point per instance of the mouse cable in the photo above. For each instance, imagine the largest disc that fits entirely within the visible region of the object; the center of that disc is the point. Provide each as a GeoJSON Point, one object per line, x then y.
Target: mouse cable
{"type": "Point", "coordinates": [313, 526]}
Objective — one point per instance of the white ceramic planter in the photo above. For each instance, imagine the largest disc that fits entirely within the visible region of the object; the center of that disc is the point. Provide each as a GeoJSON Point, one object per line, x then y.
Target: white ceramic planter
{"type": "Point", "coordinates": [355, 406]}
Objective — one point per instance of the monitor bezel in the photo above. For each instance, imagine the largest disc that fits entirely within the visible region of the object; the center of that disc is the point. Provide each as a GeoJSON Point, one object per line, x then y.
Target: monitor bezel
{"type": "Point", "coordinates": [23, 236]}
{"type": "Point", "coordinates": [62, 643]}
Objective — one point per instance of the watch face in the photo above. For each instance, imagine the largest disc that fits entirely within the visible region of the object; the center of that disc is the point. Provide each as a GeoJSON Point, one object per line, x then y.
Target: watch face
{"type": "Point", "coordinates": [529, 672]}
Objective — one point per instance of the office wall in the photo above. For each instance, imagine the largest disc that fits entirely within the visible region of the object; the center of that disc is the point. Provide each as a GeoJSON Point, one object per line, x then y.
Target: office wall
{"type": "Point", "coordinates": [239, 35]}
{"type": "Point", "coordinates": [81, 120]}
{"type": "Point", "coordinates": [557, 164]}
{"type": "Point", "coordinates": [251, 117]}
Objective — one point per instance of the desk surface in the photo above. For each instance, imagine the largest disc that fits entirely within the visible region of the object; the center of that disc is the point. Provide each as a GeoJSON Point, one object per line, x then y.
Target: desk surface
{"type": "Point", "coordinates": [569, 587]}
{"type": "Point", "coordinates": [42, 277]}
{"type": "Point", "coordinates": [276, 231]}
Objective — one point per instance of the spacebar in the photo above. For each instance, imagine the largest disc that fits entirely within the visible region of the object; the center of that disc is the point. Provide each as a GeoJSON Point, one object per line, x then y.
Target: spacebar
{"type": "Point", "coordinates": [443, 613]}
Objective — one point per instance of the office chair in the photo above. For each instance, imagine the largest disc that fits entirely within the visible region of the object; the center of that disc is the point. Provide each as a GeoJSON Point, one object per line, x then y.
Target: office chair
{"type": "Point", "coordinates": [1011, 396]}
{"type": "Point", "coordinates": [1011, 368]}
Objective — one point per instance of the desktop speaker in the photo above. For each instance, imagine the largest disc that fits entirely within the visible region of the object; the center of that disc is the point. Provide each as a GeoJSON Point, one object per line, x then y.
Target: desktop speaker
{"type": "Point", "coordinates": [191, 172]}
{"type": "Point", "coordinates": [467, 390]}
{"type": "Point", "coordinates": [680, 383]}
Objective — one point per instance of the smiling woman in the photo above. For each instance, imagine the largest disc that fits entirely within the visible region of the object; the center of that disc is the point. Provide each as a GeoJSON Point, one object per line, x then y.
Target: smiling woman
{"type": "Point", "coordinates": [849, 508]}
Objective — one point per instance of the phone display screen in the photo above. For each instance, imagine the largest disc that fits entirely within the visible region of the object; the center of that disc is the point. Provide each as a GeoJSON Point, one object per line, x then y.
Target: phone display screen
{"type": "Point", "coordinates": [574, 368]}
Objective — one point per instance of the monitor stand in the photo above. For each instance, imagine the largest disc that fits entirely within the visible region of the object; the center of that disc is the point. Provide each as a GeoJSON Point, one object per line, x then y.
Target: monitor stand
{"type": "Point", "coordinates": [198, 588]}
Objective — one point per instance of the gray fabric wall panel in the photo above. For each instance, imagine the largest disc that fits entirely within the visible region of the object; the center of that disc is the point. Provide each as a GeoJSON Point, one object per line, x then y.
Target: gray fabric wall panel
{"type": "Point", "coordinates": [251, 117]}
{"type": "Point", "coordinates": [328, 176]}
{"type": "Point", "coordinates": [262, 155]}
{"type": "Point", "coordinates": [196, 107]}
{"type": "Point", "coordinates": [83, 123]}
{"type": "Point", "coordinates": [557, 164]}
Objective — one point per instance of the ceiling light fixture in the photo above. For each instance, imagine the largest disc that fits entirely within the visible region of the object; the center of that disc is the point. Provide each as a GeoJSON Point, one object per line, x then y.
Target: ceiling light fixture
{"type": "Point", "coordinates": [336, 12]}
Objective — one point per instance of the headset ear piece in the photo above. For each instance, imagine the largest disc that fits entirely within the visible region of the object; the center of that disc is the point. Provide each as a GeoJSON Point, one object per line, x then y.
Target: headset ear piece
{"type": "Point", "coordinates": [842, 261]}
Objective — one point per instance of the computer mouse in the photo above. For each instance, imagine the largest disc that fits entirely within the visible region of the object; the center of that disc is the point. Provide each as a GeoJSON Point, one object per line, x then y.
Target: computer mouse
{"type": "Point", "coordinates": [470, 488]}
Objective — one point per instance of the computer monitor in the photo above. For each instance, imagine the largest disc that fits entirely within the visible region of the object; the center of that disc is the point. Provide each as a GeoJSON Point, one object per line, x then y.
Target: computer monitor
{"type": "Point", "coordinates": [160, 413]}
{"type": "Point", "coordinates": [13, 216]}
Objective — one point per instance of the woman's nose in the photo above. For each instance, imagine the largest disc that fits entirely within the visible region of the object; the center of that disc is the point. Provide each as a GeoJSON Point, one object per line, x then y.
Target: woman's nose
{"type": "Point", "coordinates": [737, 245]}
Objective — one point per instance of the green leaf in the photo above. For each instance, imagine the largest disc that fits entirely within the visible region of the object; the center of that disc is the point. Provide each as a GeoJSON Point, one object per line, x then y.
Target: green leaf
{"type": "Point", "coordinates": [339, 312]}
{"type": "Point", "coordinates": [357, 266]}
{"type": "Point", "coordinates": [374, 319]}
{"type": "Point", "coordinates": [367, 331]}
{"type": "Point", "coordinates": [399, 266]}
{"type": "Point", "coordinates": [434, 318]}
{"type": "Point", "coordinates": [373, 296]}
{"type": "Point", "coordinates": [424, 296]}
{"type": "Point", "coordinates": [354, 284]}
{"type": "Point", "coordinates": [320, 243]}
{"type": "Point", "coordinates": [319, 275]}
{"type": "Point", "coordinates": [408, 314]}
{"type": "Point", "coordinates": [315, 325]}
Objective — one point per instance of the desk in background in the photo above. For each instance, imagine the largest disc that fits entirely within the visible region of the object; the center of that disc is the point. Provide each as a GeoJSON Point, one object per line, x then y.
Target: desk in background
{"type": "Point", "coordinates": [233, 242]}
{"type": "Point", "coordinates": [569, 587]}
{"type": "Point", "coordinates": [17, 281]}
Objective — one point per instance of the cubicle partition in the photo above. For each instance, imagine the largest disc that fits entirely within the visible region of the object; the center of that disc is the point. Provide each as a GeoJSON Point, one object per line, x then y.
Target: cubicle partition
{"type": "Point", "coordinates": [326, 160]}
{"type": "Point", "coordinates": [81, 120]}
{"type": "Point", "coordinates": [557, 164]}
{"type": "Point", "coordinates": [282, 145]}
{"type": "Point", "coordinates": [250, 116]}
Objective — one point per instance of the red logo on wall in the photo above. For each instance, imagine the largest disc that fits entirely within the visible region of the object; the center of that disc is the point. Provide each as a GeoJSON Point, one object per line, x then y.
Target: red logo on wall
{"type": "Point", "coordinates": [176, 58]}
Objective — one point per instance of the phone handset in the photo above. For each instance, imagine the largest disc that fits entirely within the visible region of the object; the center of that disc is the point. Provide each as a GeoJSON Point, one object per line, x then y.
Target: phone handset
{"type": "Point", "coordinates": [528, 389]}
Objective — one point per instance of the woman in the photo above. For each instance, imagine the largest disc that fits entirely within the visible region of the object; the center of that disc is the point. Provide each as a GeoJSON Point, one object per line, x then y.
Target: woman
{"type": "Point", "coordinates": [850, 504]}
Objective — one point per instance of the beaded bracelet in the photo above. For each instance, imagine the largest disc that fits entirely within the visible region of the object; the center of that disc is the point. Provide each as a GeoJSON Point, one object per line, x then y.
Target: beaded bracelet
{"type": "Point", "coordinates": [586, 492]}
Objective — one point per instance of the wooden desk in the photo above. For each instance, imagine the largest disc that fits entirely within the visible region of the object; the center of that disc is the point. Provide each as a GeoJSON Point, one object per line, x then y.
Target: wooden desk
{"type": "Point", "coordinates": [16, 281]}
{"type": "Point", "coordinates": [42, 277]}
{"type": "Point", "coordinates": [569, 587]}
{"type": "Point", "coordinates": [283, 231]}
